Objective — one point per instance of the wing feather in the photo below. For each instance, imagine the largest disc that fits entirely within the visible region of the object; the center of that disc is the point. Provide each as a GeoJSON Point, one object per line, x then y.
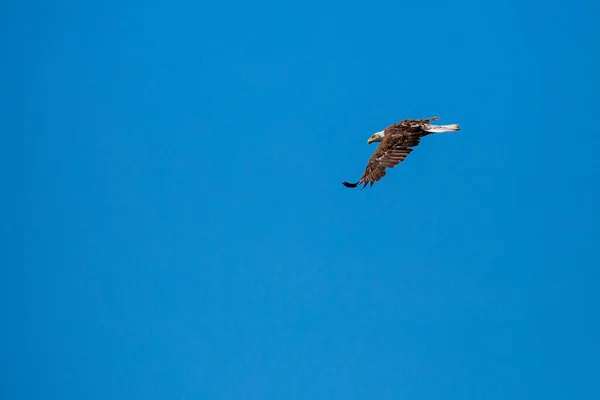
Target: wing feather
{"type": "Point", "coordinates": [392, 151]}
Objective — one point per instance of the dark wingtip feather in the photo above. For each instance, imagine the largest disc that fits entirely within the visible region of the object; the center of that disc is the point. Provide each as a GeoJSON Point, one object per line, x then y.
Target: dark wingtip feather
{"type": "Point", "coordinates": [350, 185]}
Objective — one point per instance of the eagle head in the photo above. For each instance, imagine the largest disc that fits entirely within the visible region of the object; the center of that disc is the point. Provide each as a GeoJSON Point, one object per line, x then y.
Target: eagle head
{"type": "Point", "coordinates": [376, 137]}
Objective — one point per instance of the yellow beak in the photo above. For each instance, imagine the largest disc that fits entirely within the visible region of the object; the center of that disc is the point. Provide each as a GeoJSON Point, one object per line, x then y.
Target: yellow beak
{"type": "Point", "coordinates": [371, 140]}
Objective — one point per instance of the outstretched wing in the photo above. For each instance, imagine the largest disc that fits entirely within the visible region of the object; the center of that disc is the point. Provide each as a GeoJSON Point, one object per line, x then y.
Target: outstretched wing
{"type": "Point", "coordinates": [410, 127]}
{"type": "Point", "coordinates": [391, 152]}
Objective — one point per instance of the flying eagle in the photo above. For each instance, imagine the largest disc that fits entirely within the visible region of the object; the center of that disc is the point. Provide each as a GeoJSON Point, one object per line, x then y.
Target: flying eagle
{"type": "Point", "coordinates": [397, 141]}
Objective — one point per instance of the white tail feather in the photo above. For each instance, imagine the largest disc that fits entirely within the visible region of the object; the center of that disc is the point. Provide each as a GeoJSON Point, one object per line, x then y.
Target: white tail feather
{"type": "Point", "coordinates": [441, 128]}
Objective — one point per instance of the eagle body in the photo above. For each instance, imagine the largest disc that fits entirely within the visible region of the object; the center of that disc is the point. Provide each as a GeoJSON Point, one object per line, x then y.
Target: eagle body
{"type": "Point", "coordinates": [397, 142]}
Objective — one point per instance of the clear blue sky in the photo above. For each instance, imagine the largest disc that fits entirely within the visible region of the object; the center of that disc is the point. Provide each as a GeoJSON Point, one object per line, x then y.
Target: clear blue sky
{"type": "Point", "coordinates": [174, 224]}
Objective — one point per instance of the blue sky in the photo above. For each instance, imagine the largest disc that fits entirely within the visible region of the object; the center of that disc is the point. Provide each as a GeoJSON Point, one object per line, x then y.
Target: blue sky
{"type": "Point", "coordinates": [175, 225]}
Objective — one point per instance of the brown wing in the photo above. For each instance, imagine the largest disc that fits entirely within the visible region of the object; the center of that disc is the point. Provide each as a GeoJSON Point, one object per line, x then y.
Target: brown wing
{"type": "Point", "coordinates": [410, 126]}
{"type": "Point", "coordinates": [392, 151]}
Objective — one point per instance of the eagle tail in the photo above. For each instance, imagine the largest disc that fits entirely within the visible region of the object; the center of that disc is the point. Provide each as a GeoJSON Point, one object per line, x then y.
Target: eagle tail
{"type": "Point", "coordinates": [431, 128]}
{"type": "Point", "coordinates": [350, 185]}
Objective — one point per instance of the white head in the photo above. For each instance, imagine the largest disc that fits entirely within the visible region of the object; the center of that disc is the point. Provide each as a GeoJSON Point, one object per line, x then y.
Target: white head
{"type": "Point", "coordinates": [376, 137]}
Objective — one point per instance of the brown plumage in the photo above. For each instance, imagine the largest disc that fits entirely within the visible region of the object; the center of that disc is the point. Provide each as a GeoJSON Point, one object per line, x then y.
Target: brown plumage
{"type": "Point", "coordinates": [397, 142]}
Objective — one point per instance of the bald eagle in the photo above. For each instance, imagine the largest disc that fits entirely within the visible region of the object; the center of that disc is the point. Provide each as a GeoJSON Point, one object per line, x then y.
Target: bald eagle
{"type": "Point", "coordinates": [397, 141]}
